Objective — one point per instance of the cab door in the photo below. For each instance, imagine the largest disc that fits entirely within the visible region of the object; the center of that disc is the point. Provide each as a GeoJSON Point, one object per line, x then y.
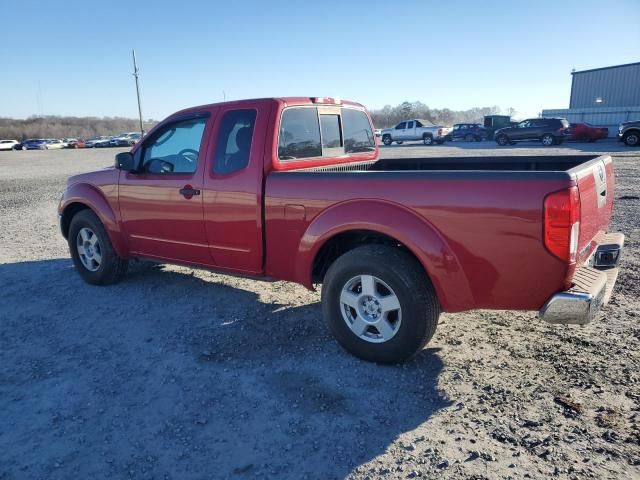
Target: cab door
{"type": "Point", "coordinates": [232, 193]}
{"type": "Point", "coordinates": [400, 132]}
{"type": "Point", "coordinates": [161, 204]}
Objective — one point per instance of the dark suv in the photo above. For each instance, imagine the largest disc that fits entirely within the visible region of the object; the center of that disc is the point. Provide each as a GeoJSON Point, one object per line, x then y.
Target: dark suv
{"type": "Point", "coordinates": [629, 133]}
{"type": "Point", "coordinates": [470, 132]}
{"type": "Point", "coordinates": [550, 131]}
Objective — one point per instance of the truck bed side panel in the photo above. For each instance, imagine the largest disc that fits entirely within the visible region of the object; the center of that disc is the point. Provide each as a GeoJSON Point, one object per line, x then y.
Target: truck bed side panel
{"type": "Point", "coordinates": [492, 222]}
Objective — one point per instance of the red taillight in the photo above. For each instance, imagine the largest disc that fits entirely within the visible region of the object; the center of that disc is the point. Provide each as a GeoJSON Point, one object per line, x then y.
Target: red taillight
{"type": "Point", "coordinates": [562, 223]}
{"type": "Point", "coordinates": [439, 131]}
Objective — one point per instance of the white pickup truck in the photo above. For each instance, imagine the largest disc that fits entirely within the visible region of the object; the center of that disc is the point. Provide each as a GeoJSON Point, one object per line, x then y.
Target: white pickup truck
{"type": "Point", "coordinates": [416, 129]}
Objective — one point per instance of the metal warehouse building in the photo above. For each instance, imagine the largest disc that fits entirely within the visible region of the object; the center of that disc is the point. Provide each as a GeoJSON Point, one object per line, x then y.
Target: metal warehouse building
{"type": "Point", "coordinates": [603, 96]}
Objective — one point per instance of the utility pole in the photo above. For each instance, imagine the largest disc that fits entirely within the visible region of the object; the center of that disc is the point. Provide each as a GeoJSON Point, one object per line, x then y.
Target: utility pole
{"type": "Point", "coordinates": [135, 74]}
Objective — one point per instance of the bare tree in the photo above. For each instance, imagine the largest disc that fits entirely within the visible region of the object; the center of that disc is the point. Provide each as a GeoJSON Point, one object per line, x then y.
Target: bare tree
{"type": "Point", "coordinates": [67, 127]}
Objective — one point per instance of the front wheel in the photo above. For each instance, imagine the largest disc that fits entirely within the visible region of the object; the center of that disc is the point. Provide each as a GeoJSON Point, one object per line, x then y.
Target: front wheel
{"type": "Point", "coordinates": [387, 140]}
{"type": "Point", "coordinates": [379, 304]}
{"type": "Point", "coordinates": [93, 255]}
{"type": "Point", "coordinates": [502, 140]}
{"type": "Point", "coordinates": [631, 139]}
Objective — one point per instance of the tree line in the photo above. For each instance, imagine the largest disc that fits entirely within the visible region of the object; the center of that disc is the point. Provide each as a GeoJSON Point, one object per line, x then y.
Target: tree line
{"type": "Point", "coordinates": [52, 126]}
{"type": "Point", "coordinates": [389, 116]}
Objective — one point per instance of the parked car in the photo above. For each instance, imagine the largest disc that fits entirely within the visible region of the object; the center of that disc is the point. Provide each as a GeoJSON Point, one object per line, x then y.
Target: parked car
{"type": "Point", "coordinates": [416, 129]}
{"type": "Point", "coordinates": [469, 132]}
{"type": "Point", "coordinates": [70, 142]}
{"type": "Point", "coordinates": [437, 234]}
{"type": "Point", "coordinates": [53, 144]}
{"type": "Point", "coordinates": [629, 133]}
{"type": "Point", "coordinates": [97, 142]}
{"type": "Point", "coordinates": [585, 132]}
{"type": "Point", "coordinates": [8, 144]}
{"type": "Point", "coordinates": [125, 140]}
{"type": "Point", "coordinates": [80, 143]}
{"type": "Point", "coordinates": [377, 132]}
{"type": "Point", "coordinates": [31, 144]}
{"type": "Point", "coordinates": [549, 131]}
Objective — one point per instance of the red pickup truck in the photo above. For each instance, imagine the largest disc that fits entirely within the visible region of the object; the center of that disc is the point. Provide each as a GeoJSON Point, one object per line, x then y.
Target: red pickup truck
{"type": "Point", "coordinates": [292, 189]}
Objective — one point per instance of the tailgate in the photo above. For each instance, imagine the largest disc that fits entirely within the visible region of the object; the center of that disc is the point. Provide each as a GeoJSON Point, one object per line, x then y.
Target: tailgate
{"type": "Point", "coordinates": [596, 182]}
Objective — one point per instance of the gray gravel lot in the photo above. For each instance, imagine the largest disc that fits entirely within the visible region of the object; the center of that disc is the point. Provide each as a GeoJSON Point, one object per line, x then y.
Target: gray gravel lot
{"type": "Point", "coordinates": [179, 373]}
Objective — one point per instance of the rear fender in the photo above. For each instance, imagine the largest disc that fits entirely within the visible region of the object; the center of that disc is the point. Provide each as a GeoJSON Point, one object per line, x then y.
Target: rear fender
{"type": "Point", "coordinates": [400, 223]}
{"type": "Point", "coordinates": [91, 197]}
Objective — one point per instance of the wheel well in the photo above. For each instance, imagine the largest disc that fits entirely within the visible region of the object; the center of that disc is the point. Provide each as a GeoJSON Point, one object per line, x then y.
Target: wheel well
{"type": "Point", "coordinates": [343, 242]}
{"type": "Point", "coordinates": [427, 135]}
{"type": "Point", "coordinates": [68, 213]}
{"type": "Point", "coordinates": [632, 130]}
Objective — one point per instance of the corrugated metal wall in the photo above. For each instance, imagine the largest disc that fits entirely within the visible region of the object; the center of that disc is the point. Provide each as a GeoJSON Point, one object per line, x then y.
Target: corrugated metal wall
{"type": "Point", "coordinates": [609, 117]}
{"type": "Point", "coordinates": [616, 86]}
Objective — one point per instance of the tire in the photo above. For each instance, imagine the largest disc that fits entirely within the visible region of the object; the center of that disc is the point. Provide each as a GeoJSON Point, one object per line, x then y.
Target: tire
{"type": "Point", "coordinates": [631, 139]}
{"type": "Point", "coordinates": [548, 140]}
{"type": "Point", "coordinates": [469, 138]}
{"type": "Point", "coordinates": [386, 139]}
{"type": "Point", "coordinates": [427, 140]}
{"type": "Point", "coordinates": [502, 140]}
{"type": "Point", "coordinates": [85, 226]}
{"type": "Point", "coordinates": [389, 272]}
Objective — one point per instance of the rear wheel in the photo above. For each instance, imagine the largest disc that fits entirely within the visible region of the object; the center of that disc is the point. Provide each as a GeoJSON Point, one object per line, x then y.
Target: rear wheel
{"type": "Point", "coordinates": [91, 250]}
{"type": "Point", "coordinates": [379, 304]}
{"type": "Point", "coordinates": [386, 139]}
{"type": "Point", "coordinates": [502, 140]}
{"type": "Point", "coordinates": [547, 139]}
{"type": "Point", "coordinates": [631, 139]}
{"type": "Point", "coordinates": [427, 140]}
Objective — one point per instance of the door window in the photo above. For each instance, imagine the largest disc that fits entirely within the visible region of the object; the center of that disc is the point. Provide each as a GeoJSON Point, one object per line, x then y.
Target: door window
{"type": "Point", "coordinates": [175, 148]}
{"type": "Point", "coordinates": [234, 141]}
{"type": "Point", "coordinates": [410, 125]}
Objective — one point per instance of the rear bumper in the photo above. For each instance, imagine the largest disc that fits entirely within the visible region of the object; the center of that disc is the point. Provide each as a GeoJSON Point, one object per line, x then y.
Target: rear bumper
{"type": "Point", "coordinates": [592, 286]}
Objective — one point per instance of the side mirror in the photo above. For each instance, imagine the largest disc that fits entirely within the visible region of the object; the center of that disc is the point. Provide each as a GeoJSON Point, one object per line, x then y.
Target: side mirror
{"type": "Point", "coordinates": [125, 161]}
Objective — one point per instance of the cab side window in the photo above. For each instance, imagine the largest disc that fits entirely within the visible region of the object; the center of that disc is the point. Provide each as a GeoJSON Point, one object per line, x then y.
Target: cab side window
{"type": "Point", "coordinates": [233, 147]}
{"type": "Point", "coordinates": [401, 126]}
{"type": "Point", "coordinates": [175, 148]}
{"type": "Point", "coordinates": [299, 134]}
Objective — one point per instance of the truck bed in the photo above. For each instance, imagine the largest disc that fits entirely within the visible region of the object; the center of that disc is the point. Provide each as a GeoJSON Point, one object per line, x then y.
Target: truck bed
{"type": "Point", "coordinates": [488, 211]}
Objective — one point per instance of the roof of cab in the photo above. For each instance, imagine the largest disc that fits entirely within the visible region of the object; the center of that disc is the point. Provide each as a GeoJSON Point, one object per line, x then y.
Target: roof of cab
{"type": "Point", "coordinates": [284, 101]}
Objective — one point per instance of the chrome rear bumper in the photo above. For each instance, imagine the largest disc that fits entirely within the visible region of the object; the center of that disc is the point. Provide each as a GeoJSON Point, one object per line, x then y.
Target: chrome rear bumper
{"type": "Point", "coordinates": [592, 287]}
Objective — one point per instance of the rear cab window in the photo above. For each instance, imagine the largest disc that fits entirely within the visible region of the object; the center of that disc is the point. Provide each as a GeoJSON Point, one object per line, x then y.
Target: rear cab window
{"type": "Point", "coordinates": [323, 132]}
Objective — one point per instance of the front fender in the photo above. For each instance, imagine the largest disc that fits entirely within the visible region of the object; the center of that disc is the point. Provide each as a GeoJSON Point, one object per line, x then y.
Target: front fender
{"type": "Point", "coordinates": [91, 197]}
{"type": "Point", "coordinates": [400, 223]}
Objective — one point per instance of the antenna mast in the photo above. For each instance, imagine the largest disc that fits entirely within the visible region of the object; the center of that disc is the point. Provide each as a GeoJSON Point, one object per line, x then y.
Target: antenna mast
{"type": "Point", "coordinates": [135, 74]}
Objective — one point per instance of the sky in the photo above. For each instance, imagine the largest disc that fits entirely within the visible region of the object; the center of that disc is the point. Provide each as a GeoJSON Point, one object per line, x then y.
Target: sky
{"type": "Point", "coordinates": [74, 57]}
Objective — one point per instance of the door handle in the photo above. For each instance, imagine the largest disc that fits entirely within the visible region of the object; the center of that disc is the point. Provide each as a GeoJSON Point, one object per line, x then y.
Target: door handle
{"type": "Point", "coordinates": [188, 191]}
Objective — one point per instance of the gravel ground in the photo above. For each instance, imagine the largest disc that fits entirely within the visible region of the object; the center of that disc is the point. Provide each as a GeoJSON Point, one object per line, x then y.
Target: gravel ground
{"type": "Point", "coordinates": [180, 373]}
